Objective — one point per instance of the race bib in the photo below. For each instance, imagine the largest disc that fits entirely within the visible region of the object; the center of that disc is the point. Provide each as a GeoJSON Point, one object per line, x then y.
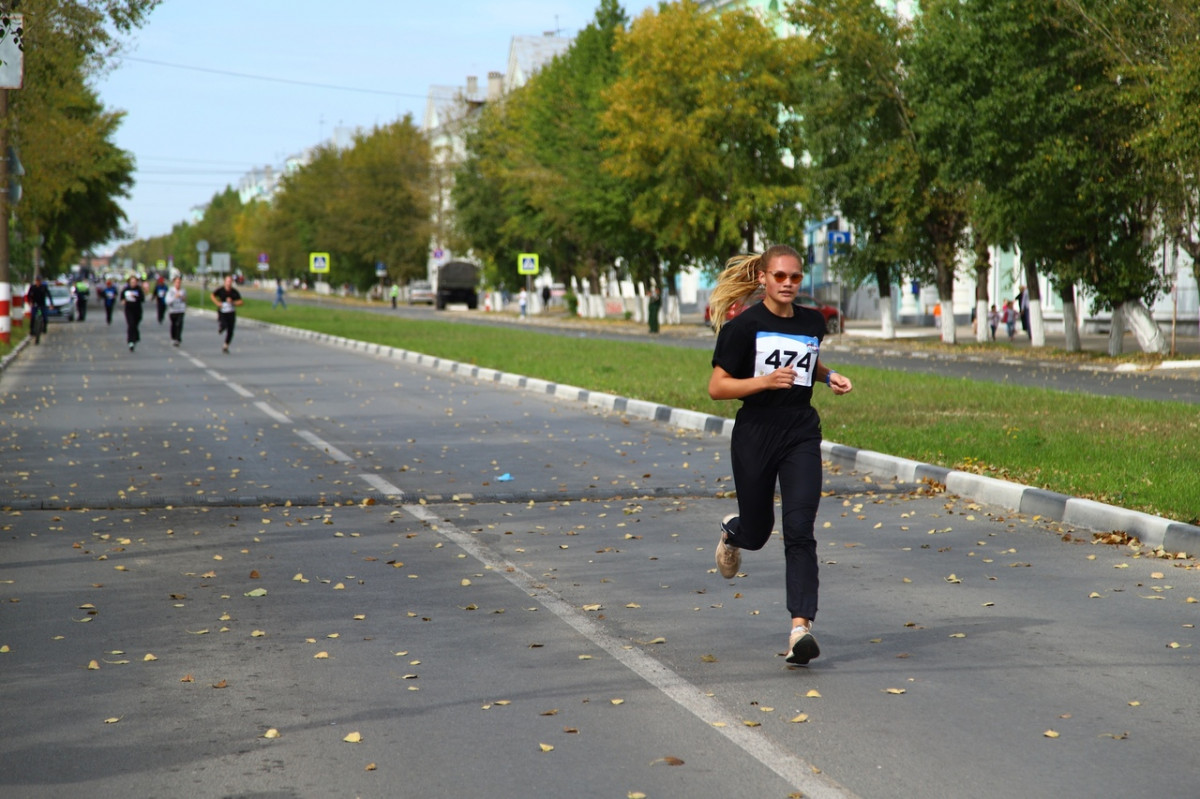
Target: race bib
{"type": "Point", "coordinates": [775, 350]}
{"type": "Point", "coordinates": [227, 307]}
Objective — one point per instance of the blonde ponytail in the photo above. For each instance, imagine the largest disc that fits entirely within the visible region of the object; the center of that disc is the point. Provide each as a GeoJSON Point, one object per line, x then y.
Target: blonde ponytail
{"type": "Point", "coordinates": [739, 280]}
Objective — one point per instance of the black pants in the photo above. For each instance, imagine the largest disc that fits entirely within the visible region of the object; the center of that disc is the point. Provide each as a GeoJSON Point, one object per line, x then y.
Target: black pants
{"type": "Point", "coordinates": [764, 451]}
{"type": "Point", "coordinates": [133, 318]}
{"type": "Point", "coordinates": [225, 322]}
{"type": "Point", "coordinates": [162, 310]}
{"type": "Point", "coordinates": [81, 308]}
{"type": "Point", "coordinates": [177, 326]}
{"type": "Point", "coordinates": [108, 309]}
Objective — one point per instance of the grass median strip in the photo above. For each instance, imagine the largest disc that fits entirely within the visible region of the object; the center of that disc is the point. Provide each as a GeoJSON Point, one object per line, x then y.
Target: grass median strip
{"type": "Point", "coordinates": [1132, 453]}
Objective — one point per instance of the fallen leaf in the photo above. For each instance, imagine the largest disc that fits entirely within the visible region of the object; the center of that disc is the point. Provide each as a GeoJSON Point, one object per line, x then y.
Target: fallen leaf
{"type": "Point", "coordinates": [353, 738]}
{"type": "Point", "coordinates": [752, 723]}
{"type": "Point", "coordinates": [813, 694]}
{"type": "Point", "coordinates": [370, 767]}
{"type": "Point", "coordinates": [257, 634]}
{"type": "Point", "coordinates": [1050, 734]}
{"type": "Point", "coordinates": [271, 733]}
{"type": "Point", "coordinates": [254, 575]}
{"type": "Point", "coordinates": [112, 720]}
{"type": "Point", "coordinates": [800, 719]}
{"type": "Point", "coordinates": [546, 747]}
{"type": "Point", "coordinates": [256, 592]}
{"type": "Point", "coordinates": [187, 678]}
{"type": "Point", "coordinates": [93, 665]}
{"type": "Point", "coordinates": [221, 684]}
{"type": "Point", "coordinates": [669, 760]}
{"type": "Point", "coordinates": [895, 690]}
{"type": "Point", "coordinates": [321, 656]}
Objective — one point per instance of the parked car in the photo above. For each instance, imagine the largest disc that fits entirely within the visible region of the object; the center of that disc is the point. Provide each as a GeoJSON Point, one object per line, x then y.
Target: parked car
{"type": "Point", "coordinates": [421, 291]}
{"type": "Point", "coordinates": [833, 317]}
{"type": "Point", "coordinates": [61, 303]}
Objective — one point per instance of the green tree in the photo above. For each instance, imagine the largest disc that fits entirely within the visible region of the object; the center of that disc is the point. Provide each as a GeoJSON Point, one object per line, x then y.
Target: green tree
{"type": "Point", "coordinates": [1047, 139]}
{"type": "Point", "coordinates": [700, 123]}
{"type": "Point", "coordinates": [74, 171]}
{"type": "Point", "coordinates": [869, 160]}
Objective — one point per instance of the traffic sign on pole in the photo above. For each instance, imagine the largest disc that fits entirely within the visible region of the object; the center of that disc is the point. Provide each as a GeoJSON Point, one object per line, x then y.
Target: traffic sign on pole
{"type": "Point", "coordinates": [527, 263]}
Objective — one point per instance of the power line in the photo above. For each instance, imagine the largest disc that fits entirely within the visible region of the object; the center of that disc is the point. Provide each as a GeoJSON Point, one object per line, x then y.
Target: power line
{"type": "Point", "coordinates": [248, 76]}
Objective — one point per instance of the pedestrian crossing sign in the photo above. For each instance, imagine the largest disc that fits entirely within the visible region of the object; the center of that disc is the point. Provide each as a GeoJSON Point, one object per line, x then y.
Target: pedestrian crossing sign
{"type": "Point", "coordinates": [527, 263]}
{"type": "Point", "coordinates": [318, 262]}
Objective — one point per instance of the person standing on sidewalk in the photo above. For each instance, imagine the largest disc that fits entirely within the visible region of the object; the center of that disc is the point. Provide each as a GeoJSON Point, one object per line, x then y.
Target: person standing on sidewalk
{"type": "Point", "coordinates": [769, 357]}
{"type": "Point", "coordinates": [132, 297]}
{"type": "Point", "coordinates": [177, 307]}
{"type": "Point", "coordinates": [83, 288]}
{"type": "Point", "coordinates": [395, 294]}
{"type": "Point", "coordinates": [227, 298]}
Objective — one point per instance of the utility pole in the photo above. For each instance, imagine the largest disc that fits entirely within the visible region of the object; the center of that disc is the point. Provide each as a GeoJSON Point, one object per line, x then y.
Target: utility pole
{"type": "Point", "coordinates": [5, 286]}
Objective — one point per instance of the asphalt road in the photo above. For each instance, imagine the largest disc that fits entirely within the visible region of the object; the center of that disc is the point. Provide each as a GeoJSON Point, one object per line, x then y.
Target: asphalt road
{"type": "Point", "coordinates": [246, 559]}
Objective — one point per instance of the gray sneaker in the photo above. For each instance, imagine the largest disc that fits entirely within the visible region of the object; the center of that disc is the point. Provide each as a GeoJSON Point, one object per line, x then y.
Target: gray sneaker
{"type": "Point", "coordinates": [729, 558]}
{"type": "Point", "coordinates": [802, 647]}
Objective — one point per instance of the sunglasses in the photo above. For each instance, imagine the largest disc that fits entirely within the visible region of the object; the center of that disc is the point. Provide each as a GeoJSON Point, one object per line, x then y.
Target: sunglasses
{"type": "Point", "coordinates": [794, 278]}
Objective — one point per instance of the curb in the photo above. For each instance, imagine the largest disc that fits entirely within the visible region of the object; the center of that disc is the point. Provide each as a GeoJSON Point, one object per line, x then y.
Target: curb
{"type": "Point", "coordinates": [13, 355]}
{"type": "Point", "coordinates": [1153, 531]}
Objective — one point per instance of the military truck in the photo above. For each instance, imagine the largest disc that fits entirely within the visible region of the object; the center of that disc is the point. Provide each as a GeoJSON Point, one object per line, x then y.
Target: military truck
{"type": "Point", "coordinates": [458, 282]}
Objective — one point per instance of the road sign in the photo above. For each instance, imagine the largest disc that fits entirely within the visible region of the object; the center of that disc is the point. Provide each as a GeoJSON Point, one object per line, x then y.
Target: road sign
{"type": "Point", "coordinates": [839, 240]}
{"type": "Point", "coordinates": [527, 263]}
{"type": "Point", "coordinates": [318, 262]}
{"type": "Point", "coordinates": [221, 262]}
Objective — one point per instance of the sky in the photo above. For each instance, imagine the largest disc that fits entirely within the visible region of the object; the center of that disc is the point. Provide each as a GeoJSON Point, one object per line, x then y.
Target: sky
{"type": "Point", "coordinates": [193, 128]}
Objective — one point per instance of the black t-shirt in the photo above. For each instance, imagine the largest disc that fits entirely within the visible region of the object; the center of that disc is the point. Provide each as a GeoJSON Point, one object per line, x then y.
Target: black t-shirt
{"type": "Point", "coordinates": [226, 299]}
{"type": "Point", "coordinates": [757, 342]}
{"type": "Point", "coordinates": [132, 294]}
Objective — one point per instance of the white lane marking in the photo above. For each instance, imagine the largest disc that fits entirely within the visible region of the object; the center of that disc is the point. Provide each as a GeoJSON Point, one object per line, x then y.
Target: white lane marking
{"type": "Point", "coordinates": [321, 444]}
{"type": "Point", "coordinates": [199, 364]}
{"type": "Point", "coordinates": [220, 378]}
{"type": "Point", "coordinates": [274, 414]}
{"type": "Point", "coordinates": [383, 486]}
{"type": "Point", "coordinates": [239, 389]}
{"type": "Point", "coordinates": [795, 770]}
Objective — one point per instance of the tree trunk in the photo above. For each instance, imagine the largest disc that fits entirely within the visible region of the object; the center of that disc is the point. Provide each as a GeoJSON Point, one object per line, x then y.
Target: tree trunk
{"type": "Point", "coordinates": [1149, 336]}
{"type": "Point", "coordinates": [1116, 332]}
{"type": "Point", "coordinates": [886, 317]}
{"type": "Point", "coordinates": [949, 328]}
{"type": "Point", "coordinates": [983, 266]}
{"type": "Point", "coordinates": [1037, 325]}
{"type": "Point", "coordinates": [1070, 319]}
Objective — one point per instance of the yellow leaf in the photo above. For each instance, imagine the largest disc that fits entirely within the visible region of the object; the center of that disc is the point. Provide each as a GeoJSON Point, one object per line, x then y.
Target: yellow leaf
{"type": "Point", "coordinates": [958, 635]}
{"type": "Point", "coordinates": [120, 568]}
{"type": "Point", "coordinates": [187, 678]}
{"type": "Point", "coordinates": [1050, 734]}
{"type": "Point", "coordinates": [271, 733]}
{"type": "Point", "coordinates": [198, 632]}
{"type": "Point", "coordinates": [465, 582]}
{"type": "Point", "coordinates": [360, 616]}
{"type": "Point", "coordinates": [149, 658]}
{"type": "Point", "coordinates": [4, 649]}
{"type": "Point", "coordinates": [1095, 595]}
{"type": "Point", "coordinates": [593, 607]}
{"type": "Point", "coordinates": [321, 656]}
{"type": "Point", "coordinates": [635, 795]}
{"type": "Point", "coordinates": [708, 658]}
{"type": "Point", "coordinates": [813, 694]}
{"type": "Point", "coordinates": [353, 738]}
{"type": "Point", "coordinates": [633, 605]}
{"type": "Point", "coordinates": [803, 717]}
{"type": "Point", "coordinates": [334, 635]}
{"type": "Point", "coordinates": [93, 665]}
{"type": "Point", "coordinates": [370, 767]}
{"type": "Point", "coordinates": [953, 579]}
{"type": "Point", "coordinates": [895, 690]}
{"type": "Point", "coordinates": [617, 701]}
{"type": "Point", "coordinates": [257, 634]}
{"type": "Point", "coordinates": [256, 592]}
{"type": "Point", "coordinates": [546, 747]}
{"type": "Point", "coordinates": [112, 720]}
{"type": "Point", "coordinates": [752, 723]}
{"type": "Point", "coordinates": [1135, 703]}
{"type": "Point", "coordinates": [299, 578]}
{"type": "Point", "coordinates": [339, 587]}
